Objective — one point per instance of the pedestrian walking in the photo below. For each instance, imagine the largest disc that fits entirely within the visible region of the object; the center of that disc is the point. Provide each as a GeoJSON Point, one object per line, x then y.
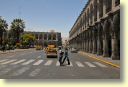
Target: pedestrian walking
{"type": "Point", "coordinates": [60, 56]}
{"type": "Point", "coordinates": [3, 48]}
{"type": "Point", "coordinates": [66, 56]}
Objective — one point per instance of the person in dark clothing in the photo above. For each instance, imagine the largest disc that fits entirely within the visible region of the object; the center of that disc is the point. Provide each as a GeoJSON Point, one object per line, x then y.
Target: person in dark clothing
{"type": "Point", "coordinates": [3, 48]}
{"type": "Point", "coordinates": [66, 56]}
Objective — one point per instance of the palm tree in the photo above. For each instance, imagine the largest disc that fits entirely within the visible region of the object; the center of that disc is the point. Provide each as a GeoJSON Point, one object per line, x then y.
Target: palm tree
{"type": "Point", "coordinates": [3, 28]}
{"type": "Point", "coordinates": [17, 28]}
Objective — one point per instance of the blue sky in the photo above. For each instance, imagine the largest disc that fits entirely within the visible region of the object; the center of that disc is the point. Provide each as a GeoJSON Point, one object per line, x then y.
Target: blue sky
{"type": "Point", "coordinates": [43, 15]}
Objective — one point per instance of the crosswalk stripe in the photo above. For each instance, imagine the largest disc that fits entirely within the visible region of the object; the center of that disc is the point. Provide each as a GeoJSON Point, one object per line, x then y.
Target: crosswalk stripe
{"type": "Point", "coordinates": [28, 62]}
{"type": "Point", "coordinates": [38, 62]}
{"type": "Point", "coordinates": [3, 60]}
{"type": "Point", "coordinates": [99, 64]}
{"type": "Point", "coordinates": [57, 63]}
{"type": "Point", "coordinates": [70, 64]}
{"type": "Point", "coordinates": [20, 71]}
{"type": "Point", "coordinates": [17, 62]}
{"type": "Point", "coordinates": [3, 66]}
{"type": "Point", "coordinates": [35, 72]}
{"type": "Point", "coordinates": [6, 70]}
{"type": "Point", "coordinates": [39, 57]}
{"type": "Point", "coordinates": [49, 62]}
{"type": "Point", "coordinates": [79, 64]}
{"type": "Point", "coordinates": [89, 64]}
{"type": "Point", "coordinates": [11, 56]}
{"type": "Point", "coordinates": [23, 54]}
{"type": "Point", "coordinates": [30, 52]}
{"type": "Point", "coordinates": [8, 61]}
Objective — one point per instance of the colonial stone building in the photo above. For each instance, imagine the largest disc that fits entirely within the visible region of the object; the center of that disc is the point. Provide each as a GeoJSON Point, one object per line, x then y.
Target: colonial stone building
{"type": "Point", "coordinates": [97, 29]}
{"type": "Point", "coordinates": [46, 38]}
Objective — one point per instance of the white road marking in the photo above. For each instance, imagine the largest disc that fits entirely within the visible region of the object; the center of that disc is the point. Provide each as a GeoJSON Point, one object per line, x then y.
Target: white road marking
{"type": "Point", "coordinates": [35, 72]}
{"type": "Point", "coordinates": [5, 71]}
{"type": "Point", "coordinates": [57, 63]}
{"type": "Point", "coordinates": [49, 62]}
{"type": "Point", "coordinates": [79, 64]}
{"type": "Point", "coordinates": [9, 61]}
{"type": "Point", "coordinates": [30, 52]}
{"type": "Point", "coordinates": [3, 66]}
{"type": "Point", "coordinates": [70, 64]}
{"type": "Point", "coordinates": [22, 54]}
{"type": "Point", "coordinates": [38, 62]}
{"type": "Point", "coordinates": [17, 62]}
{"type": "Point", "coordinates": [99, 64]}
{"type": "Point", "coordinates": [89, 64]}
{"type": "Point", "coordinates": [28, 62]}
{"type": "Point", "coordinates": [39, 57]}
{"type": "Point", "coordinates": [4, 60]}
{"type": "Point", "coordinates": [20, 71]}
{"type": "Point", "coordinates": [11, 56]}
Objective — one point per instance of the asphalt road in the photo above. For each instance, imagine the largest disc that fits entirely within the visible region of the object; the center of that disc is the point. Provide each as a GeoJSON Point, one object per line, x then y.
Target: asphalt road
{"type": "Point", "coordinates": [32, 64]}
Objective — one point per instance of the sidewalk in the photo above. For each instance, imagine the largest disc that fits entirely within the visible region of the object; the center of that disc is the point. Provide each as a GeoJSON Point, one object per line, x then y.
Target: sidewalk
{"type": "Point", "coordinates": [107, 60]}
{"type": "Point", "coordinates": [12, 51]}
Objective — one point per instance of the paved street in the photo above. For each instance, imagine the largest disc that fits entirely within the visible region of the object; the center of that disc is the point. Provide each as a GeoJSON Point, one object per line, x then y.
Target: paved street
{"type": "Point", "coordinates": [32, 64]}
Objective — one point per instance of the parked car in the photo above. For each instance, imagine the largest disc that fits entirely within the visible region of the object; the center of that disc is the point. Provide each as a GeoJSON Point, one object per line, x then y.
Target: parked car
{"type": "Point", "coordinates": [38, 47]}
{"type": "Point", "coordinates": [73, 50]}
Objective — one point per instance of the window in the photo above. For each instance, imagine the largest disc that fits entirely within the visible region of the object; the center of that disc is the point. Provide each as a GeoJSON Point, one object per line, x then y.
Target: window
{"type": "Point", "coordinates": [100, 8]}
{"type": "Point", "coordinates": [36, 36]}
{"type": "Point", "coordinates": [95, 10]}
{"type": "Point", "coordinates": [45, 36]}
{"type": "Point", "coordinates": [49, 37]}
{"type": "Point", "coordinates": [108, 5]}
{"type": "Point", "coordinates": [40, 36]}
{"type": "Point", "coordinates": [117, 2]}
{"type": "Point", "coordinates": [54, 36]}
{"type": "Point", "coordinates": [91, 13]}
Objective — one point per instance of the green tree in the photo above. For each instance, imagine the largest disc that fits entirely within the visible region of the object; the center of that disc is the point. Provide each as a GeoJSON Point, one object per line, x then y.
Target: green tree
{"type": "Point", "coordinates": [17, 28]}
{"type": "Point", "coordinates": [28, 39]}
{"type": "Point", "coordinates": [3, 28]}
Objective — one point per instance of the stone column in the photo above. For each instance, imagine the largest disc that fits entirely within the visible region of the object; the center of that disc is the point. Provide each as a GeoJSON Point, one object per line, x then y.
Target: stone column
{"type": "Point", "coordinates": [99, 40]}
{"type": "Point", "coordinates": [84, 41]}
{"type": "Point", "coordinates": [81, 41]}
{"type": "Point", "coordinates": [77, 41]}
{"type": "Point", "coordinates": [116, 38]}
{"type": "Point", "coordinates": [90, 41]}
{"type": "Point", "coordinates": [87, 41]}
{"type": "Point", "coordinates": [105, 39]}
{"type": "Point", "coordinates": [73, 43]}
{"type": "Point", "coordinates": [94, 34]}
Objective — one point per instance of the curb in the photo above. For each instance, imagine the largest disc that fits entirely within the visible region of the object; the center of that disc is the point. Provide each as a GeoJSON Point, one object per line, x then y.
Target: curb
{"type": "Point", "coordinates": [107, 62]}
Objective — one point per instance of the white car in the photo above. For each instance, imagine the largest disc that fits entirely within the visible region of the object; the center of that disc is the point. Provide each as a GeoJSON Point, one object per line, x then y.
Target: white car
{"type": "Point", "coordinates": [73, 50]}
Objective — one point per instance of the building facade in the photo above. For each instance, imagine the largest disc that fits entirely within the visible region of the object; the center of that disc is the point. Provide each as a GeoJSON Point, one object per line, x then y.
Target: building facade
{"type": "Point", "coordinates": [97, 29]}
{"type": "Point", "coordinates": [47, 38]}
